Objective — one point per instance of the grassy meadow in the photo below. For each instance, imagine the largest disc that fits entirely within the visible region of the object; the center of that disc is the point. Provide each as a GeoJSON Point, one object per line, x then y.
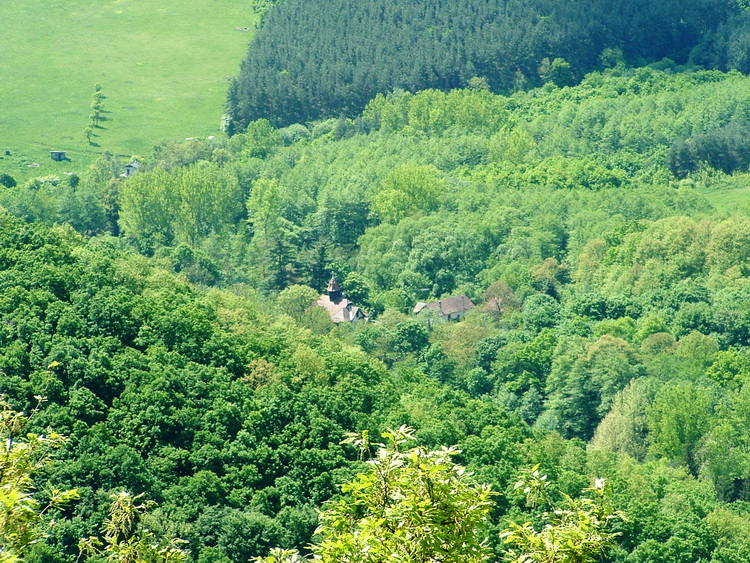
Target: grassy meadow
{"type": "Point", "coordinates": [162, 65]}
{"type": "Point", "coordinates": [728, 194]}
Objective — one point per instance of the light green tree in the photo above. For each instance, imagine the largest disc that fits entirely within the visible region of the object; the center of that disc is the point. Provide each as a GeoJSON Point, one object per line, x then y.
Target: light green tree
{"type": "Point", "coordinates": [261, 138]}
{"type": "Point", "coordinates": [514, 145]}
{"type": "Point", "coordinates": [264, 204]}
{"type": "Point", "coordinates": [624, 429]}
{"type": "Point", "coordinates": [408, 189]}
{"type": "Point", "coordinates": [21, 456]}
{"type": "Point", "coordinates": [579, 531]}
{"type": "Point", "coordinates": [299, 302]}
{"type": "Point", "coordinates": [185, 205]}
{"type": "Point", "coordinates": [147, 212]}
{"type": "Point", "coordinates": [296, 299]}
{"type": "Point", "coordinates": [97, 106]}
{"type": "Point", "coordinates": [88, 132]}
{"type": "Point", "coordinates": [681, 414]}
{"type": "Point", "coordinates": [207, 198]}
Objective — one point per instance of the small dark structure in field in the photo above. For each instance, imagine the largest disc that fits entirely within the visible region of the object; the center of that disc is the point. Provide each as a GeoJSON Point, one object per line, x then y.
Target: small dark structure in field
{"type": "Point", "coordinates": [58, 155]}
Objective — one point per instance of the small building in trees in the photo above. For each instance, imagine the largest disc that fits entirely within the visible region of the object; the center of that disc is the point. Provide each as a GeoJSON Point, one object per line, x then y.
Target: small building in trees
{"type": "Point", "coordinates": [130, 169]}
{"type": "Point", "coordinates": [57, 155]}
{"type": "Point", "coordinates": [450, 309]}
{"type": "Point", "coordinates": [340, 309]}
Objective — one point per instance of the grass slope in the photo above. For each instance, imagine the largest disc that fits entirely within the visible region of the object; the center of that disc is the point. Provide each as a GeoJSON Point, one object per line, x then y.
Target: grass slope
{"type": "Point", "coordinates": [163, 65]}
{"type": "Point", "coordinates": [730, 194]}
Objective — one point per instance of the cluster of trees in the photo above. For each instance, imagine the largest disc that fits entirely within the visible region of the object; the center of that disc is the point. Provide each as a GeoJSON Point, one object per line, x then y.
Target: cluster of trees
{"type": "Point", "coordinates": [273, 207]}
{"type": "Point", "coordinates": [197, 401]}
{"type": "Point", "coordinates": [298, 69]}
{"type": "Point", "coordinates": [414, 504]}
{"type": "Point", "coordinates": [722, 148]}
{"type": "Point", "coordinates": [97, 108]}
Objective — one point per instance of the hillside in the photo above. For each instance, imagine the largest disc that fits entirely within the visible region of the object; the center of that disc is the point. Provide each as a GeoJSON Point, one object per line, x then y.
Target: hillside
{"type": "Point", "coordinates": [163, 68]}
{"type": "Point", "coordinates": [180, 348]}
{"type": "Point", "coordinates": [555, 275]}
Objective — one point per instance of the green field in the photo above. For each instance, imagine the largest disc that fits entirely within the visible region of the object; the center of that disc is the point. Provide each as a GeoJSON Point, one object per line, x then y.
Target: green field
{"type": "Point", "coordinates": [730, 194]}
{"type": "Point", "coordinates": [162, 65]}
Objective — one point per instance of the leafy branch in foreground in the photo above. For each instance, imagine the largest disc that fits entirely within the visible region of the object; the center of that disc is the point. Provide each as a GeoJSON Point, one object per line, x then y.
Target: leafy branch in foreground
{"type": "Point", "coordinates": [577, 533]}
{"type": "Point", "coordinates": [22, 455]}
{"type": "Point", "coordinates": [127, 540]}
{"type": "Point", "coordinates": [411, 505]}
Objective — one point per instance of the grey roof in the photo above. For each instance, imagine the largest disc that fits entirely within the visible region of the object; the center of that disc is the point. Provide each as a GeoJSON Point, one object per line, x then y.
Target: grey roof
{"type": "Point", "coordinates": [448, 306]}
{"type": "Point", "coordinates": [342, 310]}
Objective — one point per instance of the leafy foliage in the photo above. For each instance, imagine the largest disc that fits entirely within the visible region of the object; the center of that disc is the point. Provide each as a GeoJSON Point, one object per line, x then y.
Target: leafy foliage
{"type": "Point", "coordinates": [126, 539]}
{"type": "Point", "coordinates": [23, 455]}
{"type": "Point", "coordinates": [414, 505]}
{"type": "Point", "coordinates": [578, 532]}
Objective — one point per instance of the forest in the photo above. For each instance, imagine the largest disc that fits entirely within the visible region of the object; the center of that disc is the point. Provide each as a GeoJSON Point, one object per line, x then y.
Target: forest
{"type": "Point", "coordinates": [325, 59]}
{"type": "Point", "coordinates": [168, 317]}
{"type": "Point", "coordinates": [160, 331]}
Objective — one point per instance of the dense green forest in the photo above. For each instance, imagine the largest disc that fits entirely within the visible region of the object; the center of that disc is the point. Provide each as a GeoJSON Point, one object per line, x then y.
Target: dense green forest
{"type": "Point", "coordinates": [167, 317]}
{"type": "Point", "coordinates": [313, 60]}
{"type": "Point", "coordinates": [166, 322]}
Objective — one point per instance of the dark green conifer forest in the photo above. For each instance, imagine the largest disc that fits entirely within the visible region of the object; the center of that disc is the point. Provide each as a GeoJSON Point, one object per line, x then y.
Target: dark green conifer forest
{"type": "Point", "coordinates": [320, 59]}
{"type": "Point", "coordinates": [593, 207]}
